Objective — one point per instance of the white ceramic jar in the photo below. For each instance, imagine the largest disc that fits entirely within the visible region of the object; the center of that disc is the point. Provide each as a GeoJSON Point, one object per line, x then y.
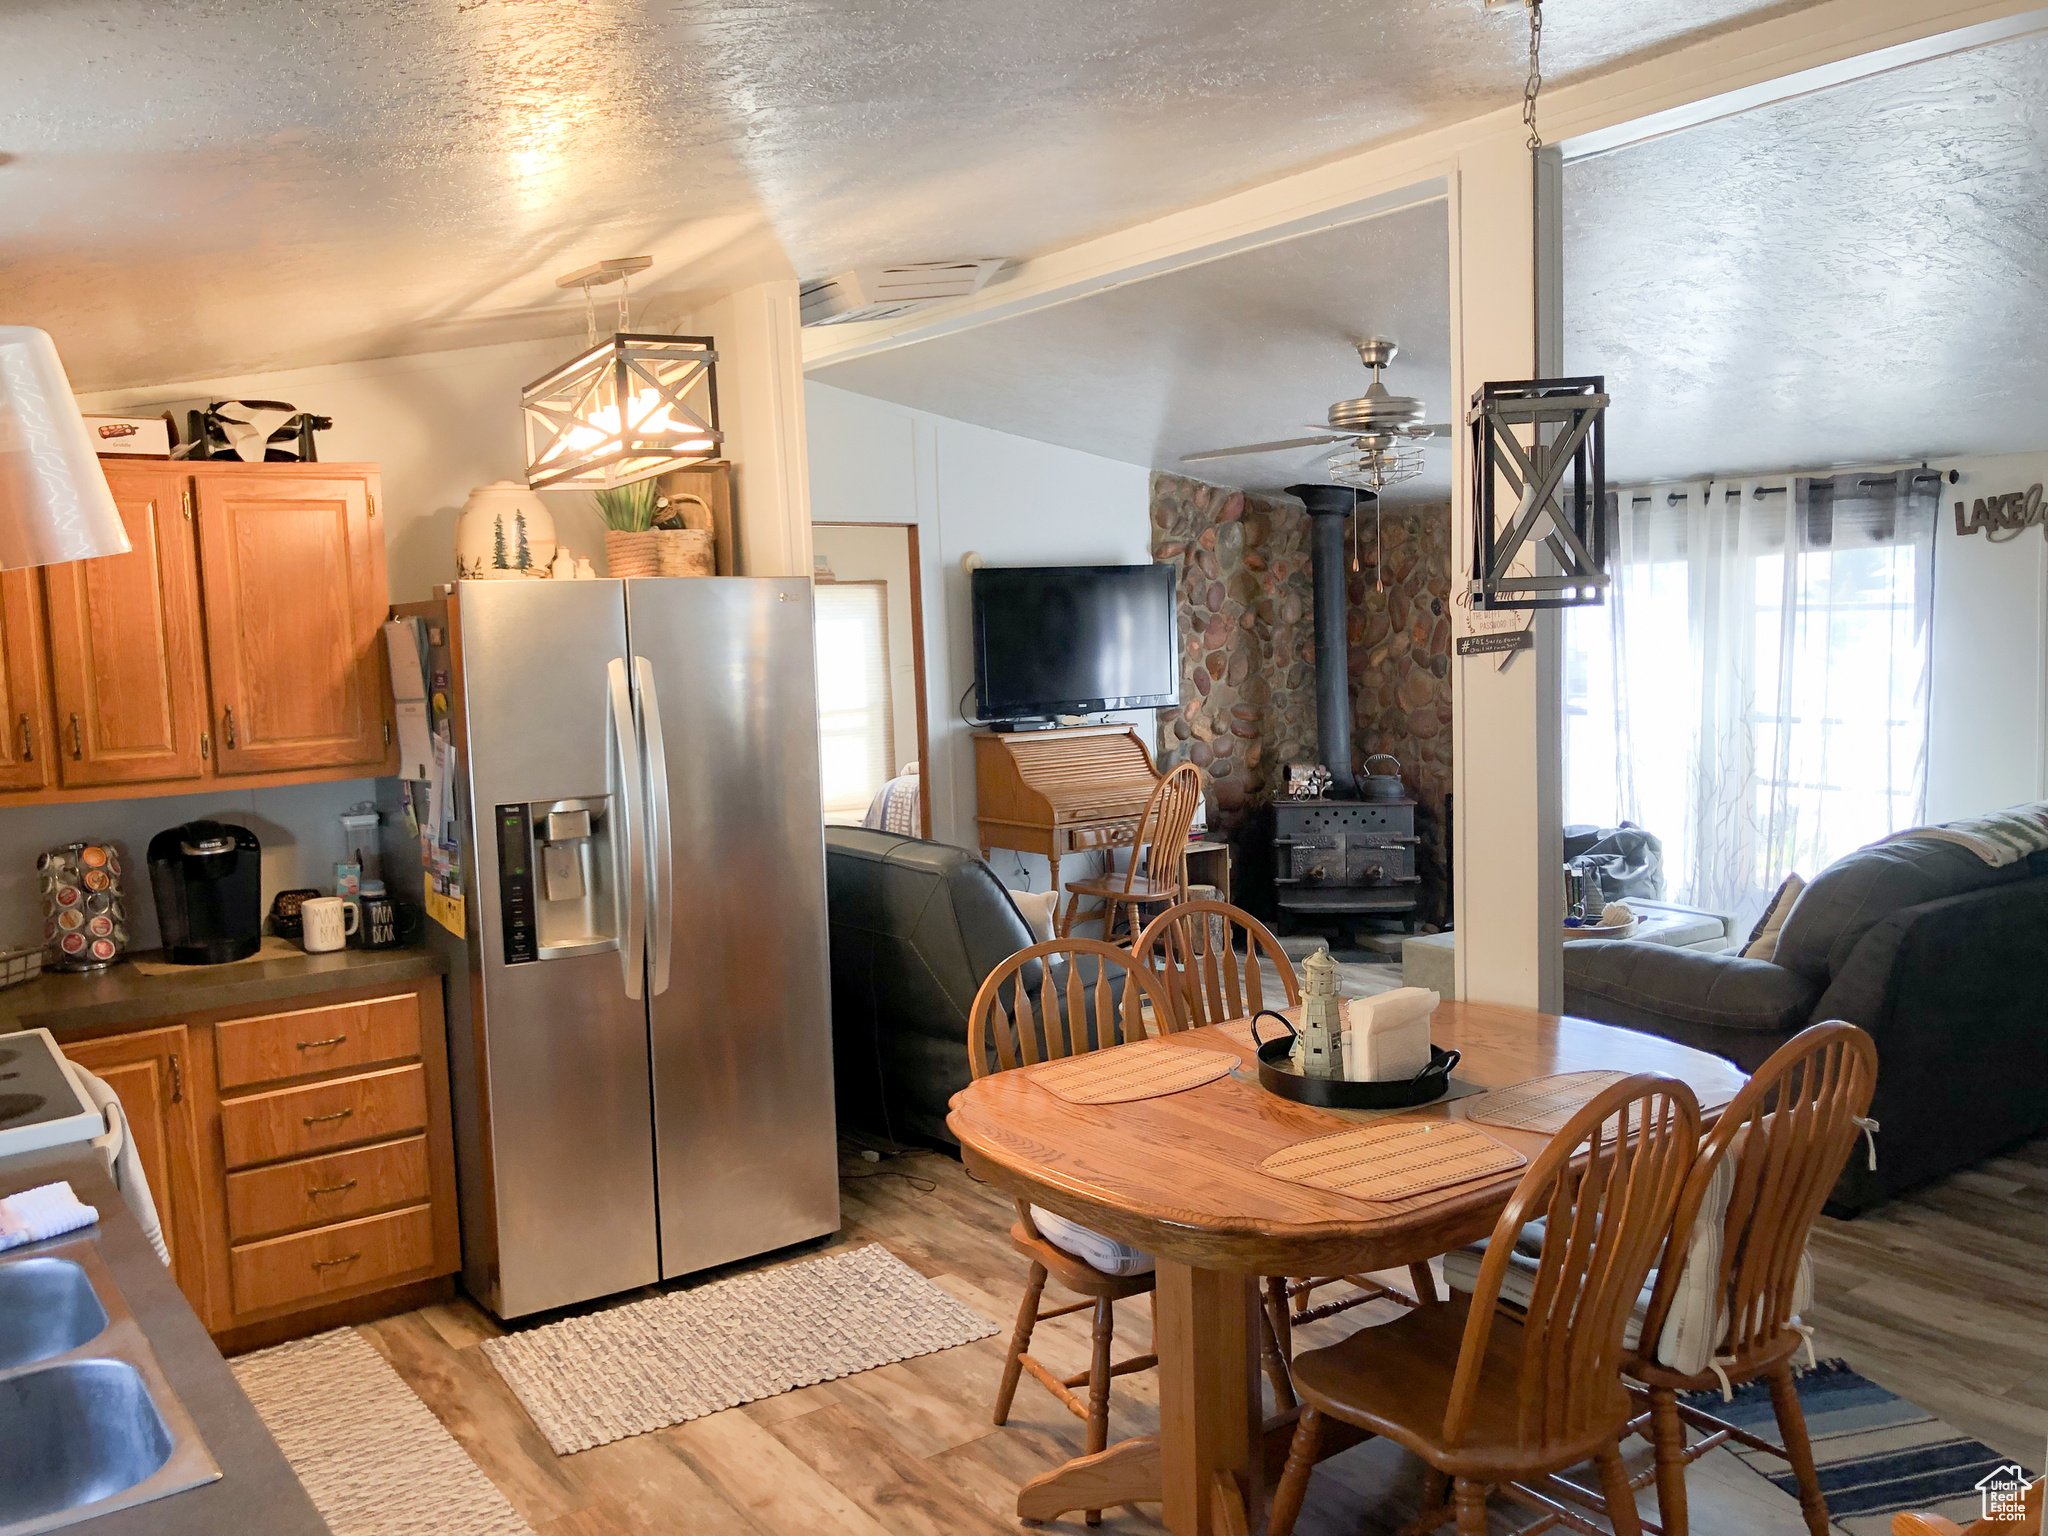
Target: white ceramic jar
{"type": "Point", "coordinates": [505, 532]}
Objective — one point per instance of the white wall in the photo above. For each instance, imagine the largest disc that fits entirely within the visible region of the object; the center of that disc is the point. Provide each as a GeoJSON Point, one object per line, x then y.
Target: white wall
{"type": "Point", "coordinates": [440, 423]}
{"type": "Point", "coordinates": [882, 554]}
{"type": "Point", "coordinates": [298, 825]}
{"type": "Point", "coordinates": [1988, 696]}
{"type": "Point", "coordinates": [1012, 500]}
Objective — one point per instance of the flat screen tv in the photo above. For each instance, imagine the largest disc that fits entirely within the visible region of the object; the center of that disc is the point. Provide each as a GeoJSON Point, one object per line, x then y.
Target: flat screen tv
{"type": "Point", "coordinates": [1074, 639]}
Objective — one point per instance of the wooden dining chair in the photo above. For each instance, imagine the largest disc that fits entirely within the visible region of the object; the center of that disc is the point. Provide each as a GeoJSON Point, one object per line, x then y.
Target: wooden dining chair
{"type": "Point", "coordinates": [1157, 872]}
{"type": "Point", "coordinates": [1206, 955]}
{"type": "Point", "coordinates": [1495, 1403]}
{"type": "Point", "coordinates": [1041, 1004]}
{"type": "Point", "coordinates": [1766, 1167]}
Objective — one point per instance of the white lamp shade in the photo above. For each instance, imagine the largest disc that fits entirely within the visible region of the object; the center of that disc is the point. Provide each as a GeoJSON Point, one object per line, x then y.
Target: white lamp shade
{"type": "Point", "coordinates": [54, 501]}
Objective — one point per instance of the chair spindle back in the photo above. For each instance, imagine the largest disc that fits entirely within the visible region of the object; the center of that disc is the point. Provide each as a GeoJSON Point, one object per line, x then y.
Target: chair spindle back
{"type": "Point", "coordinates": [1790, 1132]}
{"type": "Point", "coordinates": [1071, 1014]}
{"type": "Point", "coordinates": [1607, 1184]}
{"type": "Point", "coordinates": [1192, 949]}
{"type": "Point", "coordinates": [1160, 848]}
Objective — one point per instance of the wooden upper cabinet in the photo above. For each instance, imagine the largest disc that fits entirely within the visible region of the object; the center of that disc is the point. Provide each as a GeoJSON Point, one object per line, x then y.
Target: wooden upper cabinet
{"type": "Point", "coordinates": [294, 597]}
{"type": "Point", "coordinates": [28, 744]}
{"type": "Point", "coordinates": [125, 652]}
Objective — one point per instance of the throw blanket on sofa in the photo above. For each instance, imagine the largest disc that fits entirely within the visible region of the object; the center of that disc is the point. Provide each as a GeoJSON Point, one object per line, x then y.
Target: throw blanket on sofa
{"type": "Point", "coordinates": [895, 809]}
{"type": "Point", "coordinates": [2000, 838]}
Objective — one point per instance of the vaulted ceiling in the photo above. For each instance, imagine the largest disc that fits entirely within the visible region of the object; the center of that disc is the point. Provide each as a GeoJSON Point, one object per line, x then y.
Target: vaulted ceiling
{"type": "Point", "coordinates": [196, 187]}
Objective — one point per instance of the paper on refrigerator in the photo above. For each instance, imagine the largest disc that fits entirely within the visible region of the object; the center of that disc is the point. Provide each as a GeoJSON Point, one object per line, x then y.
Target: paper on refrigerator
{"type": "Point", "coordinates": [409, 700]}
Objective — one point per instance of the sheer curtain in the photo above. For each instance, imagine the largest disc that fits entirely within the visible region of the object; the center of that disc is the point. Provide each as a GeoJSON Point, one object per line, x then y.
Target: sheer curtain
{"type": "Point", "coordinates": [1754, 692]}
{"type": "Point", "coordinates": [856, 716]}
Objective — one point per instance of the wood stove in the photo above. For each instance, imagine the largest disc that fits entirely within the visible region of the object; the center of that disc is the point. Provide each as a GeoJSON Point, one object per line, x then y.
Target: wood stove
{"type": "Point", "coordinates": [1342, 857]}
{"type": "Point", "coordinates": [1346, 858]}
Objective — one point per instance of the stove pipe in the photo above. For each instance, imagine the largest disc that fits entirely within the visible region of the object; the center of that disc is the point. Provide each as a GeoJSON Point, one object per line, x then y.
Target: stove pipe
{"type": "Point", "coordinates": [1328, 507]}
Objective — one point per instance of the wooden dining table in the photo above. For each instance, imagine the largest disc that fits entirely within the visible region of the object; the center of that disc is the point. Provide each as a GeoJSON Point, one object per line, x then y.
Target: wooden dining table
{"type": "Point", "coordinates": [1178, 1177]}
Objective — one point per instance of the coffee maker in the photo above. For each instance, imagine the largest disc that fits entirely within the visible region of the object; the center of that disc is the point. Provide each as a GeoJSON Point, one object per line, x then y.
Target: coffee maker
{"type": "Point", "coordinates": [208, 879]}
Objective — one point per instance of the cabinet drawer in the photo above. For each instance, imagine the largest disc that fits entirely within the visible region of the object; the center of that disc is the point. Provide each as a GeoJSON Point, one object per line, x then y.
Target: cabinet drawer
{"type": "Point", "coordinates": [280, 1045]}
{"type": "Point", "coordinates": [313, 1190]}
{"type": "Point", "coordinates": [346, 1256]}
{"type": "Point", "coordinates": [286, 1122]}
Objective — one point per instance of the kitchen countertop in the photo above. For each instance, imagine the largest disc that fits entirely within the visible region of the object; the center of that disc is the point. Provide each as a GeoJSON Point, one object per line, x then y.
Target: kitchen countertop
{"type": "Point", "coordinates": [64, 1002]}
{"type": "Point", "coordinates": [257, 1490]}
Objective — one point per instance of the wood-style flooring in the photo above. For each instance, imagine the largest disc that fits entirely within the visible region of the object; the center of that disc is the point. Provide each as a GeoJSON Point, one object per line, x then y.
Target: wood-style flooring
{"type": "Point", "coordinates": [1942, 1297]}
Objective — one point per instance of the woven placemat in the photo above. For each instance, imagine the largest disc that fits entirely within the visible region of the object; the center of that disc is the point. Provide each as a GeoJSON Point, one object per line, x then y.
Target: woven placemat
{"type": "Point", "coordinates": [1542, 1104]}
{"type": "Point", "coordinates": [1147, 1069]}
{"type": "Point", "coordinates": [1394, 1159]}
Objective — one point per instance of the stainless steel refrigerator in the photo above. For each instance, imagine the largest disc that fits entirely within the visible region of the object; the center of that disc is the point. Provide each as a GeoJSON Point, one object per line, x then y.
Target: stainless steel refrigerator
{"type": "Point", "coordinates": [639, 1037]}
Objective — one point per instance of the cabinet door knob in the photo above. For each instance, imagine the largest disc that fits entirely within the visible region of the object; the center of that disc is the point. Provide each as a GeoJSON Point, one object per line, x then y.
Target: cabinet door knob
{"type": "Point", "coordinates": [77, 741]}
{"type": "Point", "coordinates": [227, 727]}
{"type": "Point", "coordinates": [28, 741]}
{"type": "Point", "coordinates": [177, 1080]}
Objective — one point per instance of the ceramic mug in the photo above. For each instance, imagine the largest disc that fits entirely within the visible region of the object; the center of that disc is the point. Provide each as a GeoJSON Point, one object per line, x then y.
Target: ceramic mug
{"type": "Point", "coordinates": [328, 922]}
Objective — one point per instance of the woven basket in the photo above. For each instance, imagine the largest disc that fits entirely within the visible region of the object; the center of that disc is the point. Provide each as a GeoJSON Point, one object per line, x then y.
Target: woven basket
{"type": "Point", "coordinates": [632, 554]}
{"type": "Point", "coordinates": [686, 552]}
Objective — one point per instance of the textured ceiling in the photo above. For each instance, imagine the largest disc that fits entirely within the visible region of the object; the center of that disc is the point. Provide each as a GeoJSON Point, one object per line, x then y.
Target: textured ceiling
{"type": "Point", "coordinates": [1855, 276]}
{"type": "Point", "coordinates": [1247, 349]}
{"type": "Point", "coordinates": [193, 187]}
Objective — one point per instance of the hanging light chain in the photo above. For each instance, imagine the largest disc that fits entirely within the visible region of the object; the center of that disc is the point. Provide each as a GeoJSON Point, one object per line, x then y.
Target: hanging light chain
{"type": "Point", "coordinates": [1533, 86]}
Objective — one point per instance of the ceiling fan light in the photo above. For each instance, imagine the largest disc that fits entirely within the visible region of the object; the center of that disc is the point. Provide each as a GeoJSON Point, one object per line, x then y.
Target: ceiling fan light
{"type": "Point", "coordinates": [625, 409]}
{"type": "Point", "coordinates": [54, 501]}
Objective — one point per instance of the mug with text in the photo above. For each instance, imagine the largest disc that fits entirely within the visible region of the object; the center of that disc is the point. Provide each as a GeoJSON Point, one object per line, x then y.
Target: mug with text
{"type": "Point", "coordinates": [328, 922]}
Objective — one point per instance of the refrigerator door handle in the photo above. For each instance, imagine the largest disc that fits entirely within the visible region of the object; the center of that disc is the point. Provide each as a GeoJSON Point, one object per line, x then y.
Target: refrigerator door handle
{"type": "Point", "coordinates": [661, 867]}
{"type": "Point", "coordinates": [629, 855]}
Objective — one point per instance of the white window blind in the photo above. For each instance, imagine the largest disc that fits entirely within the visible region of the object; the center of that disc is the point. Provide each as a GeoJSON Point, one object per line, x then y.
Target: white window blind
{"type": "Point", "coordinates": [856, 718]}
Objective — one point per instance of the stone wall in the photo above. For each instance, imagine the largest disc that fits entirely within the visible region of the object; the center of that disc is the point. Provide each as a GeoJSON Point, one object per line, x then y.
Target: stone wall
{"type": "Point", "coordinates": [1247, 648]}
{"type": "Point", "coordinates": [1400, 634]}
{"type": "Point", "coordinates": [1247, 631]}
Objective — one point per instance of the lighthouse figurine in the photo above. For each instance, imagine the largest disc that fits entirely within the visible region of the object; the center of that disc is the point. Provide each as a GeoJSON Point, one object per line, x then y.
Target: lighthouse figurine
{"type": "Point", "coordinates": [1322, 1044]}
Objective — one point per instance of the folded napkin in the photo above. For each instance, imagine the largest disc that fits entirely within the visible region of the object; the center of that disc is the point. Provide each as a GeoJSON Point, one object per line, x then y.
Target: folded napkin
{"type": "Point", "coordinates": [1386, 1038]}
{"type": "Point", "coordinates": [45, 1211]}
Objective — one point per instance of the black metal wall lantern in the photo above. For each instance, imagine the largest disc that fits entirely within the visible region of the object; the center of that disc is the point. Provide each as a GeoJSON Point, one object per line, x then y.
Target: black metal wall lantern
{"type": "Point", "coordinates": [1569, 422]}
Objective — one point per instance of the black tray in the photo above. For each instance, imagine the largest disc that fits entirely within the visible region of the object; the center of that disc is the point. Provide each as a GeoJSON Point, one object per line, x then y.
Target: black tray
{"type": "Point", "coordinates": [1276, 1076]}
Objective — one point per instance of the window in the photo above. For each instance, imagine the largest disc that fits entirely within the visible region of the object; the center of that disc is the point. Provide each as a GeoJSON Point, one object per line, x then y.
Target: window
{"type": "Point", "coordinates": [856, 718]}
{"type": "Point", "coordinates": [1754, 692]}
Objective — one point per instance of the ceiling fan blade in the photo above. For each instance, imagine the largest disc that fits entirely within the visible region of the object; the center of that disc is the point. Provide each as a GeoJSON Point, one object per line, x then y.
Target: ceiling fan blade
{"type": "Point", "coordinates": [1436, 429]}
{"type": "Point", "coordinates": [1292, 442]}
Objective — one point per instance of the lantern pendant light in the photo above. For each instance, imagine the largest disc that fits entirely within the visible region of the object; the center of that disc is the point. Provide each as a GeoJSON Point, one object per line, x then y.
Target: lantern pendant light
{"type": "Point", "coordinates": [627, 408]}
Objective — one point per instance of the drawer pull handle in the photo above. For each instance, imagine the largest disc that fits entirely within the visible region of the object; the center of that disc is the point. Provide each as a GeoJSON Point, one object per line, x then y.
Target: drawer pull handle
{"type": "Point", "coordinates": [339, 1114]}
{"type": "Point", "coordinates": [331, 1189]}
{"type": "Point", "coordinates": [346, 1258]}
{"type": "Point", "coordinates": [314, 1045]}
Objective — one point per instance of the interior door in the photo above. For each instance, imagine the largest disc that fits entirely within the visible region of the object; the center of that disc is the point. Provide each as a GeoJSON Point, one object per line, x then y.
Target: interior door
{"type": "Point", "coordinates": [28, 747]}
{"type": "Point", "coordinates": [742, 1030]}
{"type": "Point", "coordinates": [294, 593]}
{"type": "Point", "coordinates": [126, 657]}
{"type": "Point", "coordinates": [150, 1074]}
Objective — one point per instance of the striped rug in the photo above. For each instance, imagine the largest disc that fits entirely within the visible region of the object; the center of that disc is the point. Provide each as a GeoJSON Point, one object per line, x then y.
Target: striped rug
{"type": "Point", "coordinates": [1876, 1453]}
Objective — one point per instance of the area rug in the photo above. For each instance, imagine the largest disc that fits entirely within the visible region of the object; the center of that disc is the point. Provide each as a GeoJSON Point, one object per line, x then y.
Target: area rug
{"type": "Point", "coordinates": [1876, 1453]}
{"type": "Point", "coordinates": [589, 1380]}
{"type": "Point", "coordinates": [373, 1458]}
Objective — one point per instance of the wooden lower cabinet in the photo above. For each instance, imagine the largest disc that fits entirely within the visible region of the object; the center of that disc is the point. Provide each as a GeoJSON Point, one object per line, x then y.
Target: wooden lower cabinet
{"type": "Point", "coordinates": [150, 1073]}
{"type": "Point", "coordinates": [296, 1178]}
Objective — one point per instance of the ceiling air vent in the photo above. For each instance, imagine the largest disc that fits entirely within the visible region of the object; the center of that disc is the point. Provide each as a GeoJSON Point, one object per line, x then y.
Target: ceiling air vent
{"type": "Point", "coordinates": [882, 293]}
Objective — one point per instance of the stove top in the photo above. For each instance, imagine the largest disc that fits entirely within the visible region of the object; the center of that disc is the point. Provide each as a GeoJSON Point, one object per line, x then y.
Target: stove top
{"type": "Point", "coordinates": [39, 1104]}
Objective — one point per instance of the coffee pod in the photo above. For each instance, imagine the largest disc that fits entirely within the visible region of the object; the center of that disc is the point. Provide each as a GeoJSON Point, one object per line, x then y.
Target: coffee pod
{"type": "Point", "coordinates": [72, 943]}
{"type": "Point", "coordinates": [103, 949]}
{"type": "Point", "coordinates": [71, 919]}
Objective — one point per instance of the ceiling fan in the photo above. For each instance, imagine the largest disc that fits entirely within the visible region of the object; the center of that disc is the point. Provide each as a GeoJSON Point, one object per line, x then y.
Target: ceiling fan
{"type": "Point", "coordinates": [1380, 432]}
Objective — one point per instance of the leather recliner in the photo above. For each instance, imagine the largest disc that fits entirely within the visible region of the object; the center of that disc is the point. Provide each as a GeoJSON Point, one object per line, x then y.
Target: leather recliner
{"type": "Point", "coordinates": [915, 929]}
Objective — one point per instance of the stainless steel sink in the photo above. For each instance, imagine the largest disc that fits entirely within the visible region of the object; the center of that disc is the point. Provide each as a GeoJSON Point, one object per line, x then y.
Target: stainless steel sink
{"type": "Point", "coordinates": [47, 1308]}
{"type": "Point", "coordinates": [88, 1425]}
